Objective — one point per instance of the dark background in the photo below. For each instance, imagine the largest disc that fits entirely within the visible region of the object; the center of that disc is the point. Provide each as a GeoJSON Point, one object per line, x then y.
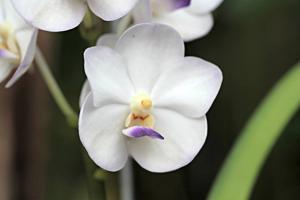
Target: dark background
{"type": "Point", "coordinates": [253, 41]}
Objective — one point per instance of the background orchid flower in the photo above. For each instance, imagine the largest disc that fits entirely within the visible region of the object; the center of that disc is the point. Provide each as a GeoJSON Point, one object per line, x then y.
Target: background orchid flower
{"type": "Point", "coordinates": [61, 15]}
{"type": "Point", "coordinates": [147, 100]}
{"type": "Point", "coordinates": [17, 43]}
{"type": "Point", "coordinates": [191, 18]}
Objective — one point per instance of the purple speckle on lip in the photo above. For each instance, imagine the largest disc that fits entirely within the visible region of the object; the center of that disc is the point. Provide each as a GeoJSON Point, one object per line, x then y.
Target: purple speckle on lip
{"type": "Point", "coordinates": [140, 131]}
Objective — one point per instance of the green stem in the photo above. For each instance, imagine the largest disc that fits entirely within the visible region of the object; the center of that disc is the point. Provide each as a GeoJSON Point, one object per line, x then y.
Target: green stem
{"type": "Point", "coordinates": [95, 176]}
{"type": "Point", "coordinates": [241, 168]}
{"type": "Point", "coordinates": [123, 24]}
{"type": "Point", "coordinates": [54, 89]}
{"type": "Point", "coordinates": [88, 20]}
{"type": "Point", "coordinates": [95, 179]}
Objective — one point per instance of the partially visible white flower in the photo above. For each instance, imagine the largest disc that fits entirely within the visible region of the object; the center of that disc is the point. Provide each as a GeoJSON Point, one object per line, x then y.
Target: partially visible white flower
{"type": "Point", "coordinates": [61, 15]}
{"type": "Point", "coordinates": [191, 18]}
{"type": "Point", "coordinates": [17, 43]}
{"type": "Point", "coordinates": [145, 99]}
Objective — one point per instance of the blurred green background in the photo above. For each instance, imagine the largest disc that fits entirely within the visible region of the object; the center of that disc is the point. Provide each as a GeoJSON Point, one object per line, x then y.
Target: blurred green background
{"type": "Point", "coordinates": [253, 41]}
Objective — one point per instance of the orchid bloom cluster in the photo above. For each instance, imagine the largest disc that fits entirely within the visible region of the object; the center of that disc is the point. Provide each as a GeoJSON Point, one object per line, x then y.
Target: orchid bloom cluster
{"type": "Point", "coordinates": [143, 98]}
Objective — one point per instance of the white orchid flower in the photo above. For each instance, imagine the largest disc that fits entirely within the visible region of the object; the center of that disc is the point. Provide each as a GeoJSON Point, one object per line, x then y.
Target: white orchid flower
{"type": "Point", "coordinates": [61, 15]}
{"type": "Point", "coordinates": [191, 18]}
{"type": "Point", "coordinates": [17, 43]}
{"type": "Point", "coordinates": [146, 100]}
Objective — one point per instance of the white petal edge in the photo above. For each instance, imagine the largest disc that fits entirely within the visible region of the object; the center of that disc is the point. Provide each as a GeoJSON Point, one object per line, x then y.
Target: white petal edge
{"type": "Point", "coordinates": [52, 15]}
{"type": "Point", "coordinates": [27, 40]}
{"type": "Point", "coordinates": [142, 12]}
{"type": "Point", "coordinates": [11, 16]}
{"type": "Point", "coordinates": [147, 49]}
{"type": "Point", "coordinates": [85, 91]}
{"type": "Point", "coordinates": [203, 6]}
{"type": "Point", "coordinates": [184, 137]}
{"type": "Point", "coordinates": [100, 133]}
{"type": "Point", "coordinates": [189, 88]}
{"type": "Point", "coordinates": [190, 26]}
{"type": "Point", "coordinates": [108, 40]}
{"type": "Point", "coordinates": [110, 10]}
{"type": "Point", "coordinates": [107, 74]}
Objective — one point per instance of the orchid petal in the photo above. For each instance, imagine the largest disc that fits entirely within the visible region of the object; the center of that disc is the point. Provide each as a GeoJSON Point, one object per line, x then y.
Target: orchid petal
{"type": "Point", "coordinates": [189, 25]}
{"type": "Point", "coordinates": [147, 50]}
{"type": "Point", "coordinates": [110, 10]}
{"type": "Point", "coordinates": [204, 6]}
{"type": "Point", "coordinates": [52, 15]}
{"type": "Point", "coordinates": [27, 42]}
{"type": "Point", "coordinates": [142, 12]}
{"type": "Point", "coordinates": [183, 139]}
{"type": "Point", "coordinates": [140, 131]}
{"type": "Point", "coordinates": [11, 16]}
{"type": "Point", "coordinates": [85, 91]}
{"type": "Point", "coordinates": [189, 88]}
{"type": "Point", "coordinates": [100, 131]}
{"type": "Point", "coordinates": [107, 75]}
{"type": "Point", "coordinates": [108, 40]}
{"type": "Point", "coordinates": [2, 13]}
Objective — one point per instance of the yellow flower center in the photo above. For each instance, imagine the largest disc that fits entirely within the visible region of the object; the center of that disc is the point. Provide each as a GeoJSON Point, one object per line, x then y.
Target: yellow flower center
{"type": "Point", "coordinates": [8, 40]}
{"type": "Point", "coordinates": [140, 115]}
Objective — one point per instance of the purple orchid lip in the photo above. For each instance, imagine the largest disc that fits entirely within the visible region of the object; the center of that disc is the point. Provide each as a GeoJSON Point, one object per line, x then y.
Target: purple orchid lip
{"type": "Point", "coordinates": [167, 6]}
{"type": "Point", "coordinates": [180, 3]}
{"type": "Point", "coordinates": [3, 53]}
{"type": "Point", "coordinates": [140, 131]}
{"type": "Point", "coordinates": [7, 54]}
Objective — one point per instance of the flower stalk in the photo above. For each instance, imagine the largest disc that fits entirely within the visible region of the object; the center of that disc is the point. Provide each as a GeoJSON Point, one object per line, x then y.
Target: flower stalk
{"type": "Point", "coordinates": [55, 90]}
{"type": "Point", "coordinates": [95, 179]}
{"type": "Point", "coordinates": [239, 173]}
{"type": "Point", "coordinates": [96, 182]}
